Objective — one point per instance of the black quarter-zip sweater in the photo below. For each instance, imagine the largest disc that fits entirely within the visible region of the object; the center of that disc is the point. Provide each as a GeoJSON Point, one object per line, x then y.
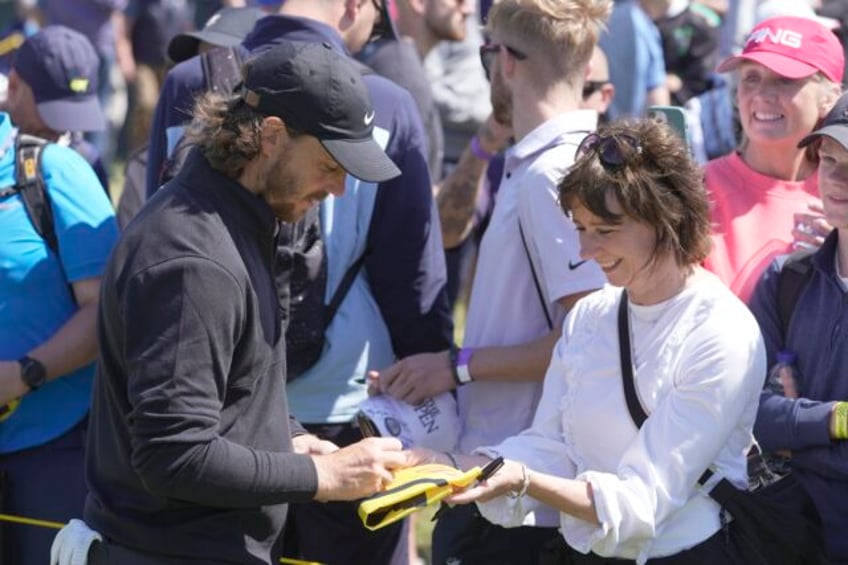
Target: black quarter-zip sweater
{"type": "Point", "coordinates": [189, 452]}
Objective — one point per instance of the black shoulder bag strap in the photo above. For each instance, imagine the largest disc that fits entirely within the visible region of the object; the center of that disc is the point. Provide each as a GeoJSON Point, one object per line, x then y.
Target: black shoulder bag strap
{"type": "Point", "coordinates": [637, 413]}
{"type": "Point", "coordinates": [542, 301]}
{"type": "Point", "coordinates": [791, 280]}
{"type": "Point", "coordinates": [222, 68]}
{"type": "Point", "coordinates": [341, 291]}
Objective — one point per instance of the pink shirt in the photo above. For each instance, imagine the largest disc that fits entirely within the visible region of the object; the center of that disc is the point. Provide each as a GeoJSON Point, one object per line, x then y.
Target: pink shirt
{"type": "Point", "coordinates": [753, 217]}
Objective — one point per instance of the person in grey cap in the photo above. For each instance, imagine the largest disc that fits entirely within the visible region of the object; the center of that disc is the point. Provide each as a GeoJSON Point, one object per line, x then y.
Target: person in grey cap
{"type": "Point", "coordinates": [810, 419]}
{"type": "Point", "coordinates": [53, 91]}
{"type": "Point", "coordinates": [226, 28]}
{"type": "Point", "coordinates": [192, 453]}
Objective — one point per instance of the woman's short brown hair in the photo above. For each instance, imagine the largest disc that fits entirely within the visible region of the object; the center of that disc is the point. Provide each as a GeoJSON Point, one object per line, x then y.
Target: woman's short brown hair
{"type": "Point", "coordinates": [657, 184]}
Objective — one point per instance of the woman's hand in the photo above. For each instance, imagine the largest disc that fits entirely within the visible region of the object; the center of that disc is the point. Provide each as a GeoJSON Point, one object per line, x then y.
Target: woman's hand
{"type": "Point", "coordinates": [509, 478]}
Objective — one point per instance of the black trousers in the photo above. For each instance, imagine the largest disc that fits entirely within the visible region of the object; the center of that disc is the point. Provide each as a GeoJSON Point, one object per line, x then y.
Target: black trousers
{"type": "Point", "coordinates": [332, 532]}
{"type": "Point", "coordinates": [463, 535]}
{"type": "Point", "coordinates": [714, 550]}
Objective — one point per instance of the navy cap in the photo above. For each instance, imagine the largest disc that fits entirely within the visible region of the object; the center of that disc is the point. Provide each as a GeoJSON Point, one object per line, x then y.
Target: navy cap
{"type": "Point", "coordinates": [61, 68]}
{"type": "Point", "coordinates": [835, 124]}
{"type": "Point", "coordinates": [318, 91]}
{"type": "Point", "coordinates": [226, 28]}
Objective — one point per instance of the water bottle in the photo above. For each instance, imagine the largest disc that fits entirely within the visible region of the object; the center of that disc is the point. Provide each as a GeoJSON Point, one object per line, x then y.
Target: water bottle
{"type": "Point", "coordinates": [782, 378]}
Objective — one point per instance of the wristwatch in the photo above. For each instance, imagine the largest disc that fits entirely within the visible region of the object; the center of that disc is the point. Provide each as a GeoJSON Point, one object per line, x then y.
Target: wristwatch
{"type": "Point", "coordinates": [33, 372]}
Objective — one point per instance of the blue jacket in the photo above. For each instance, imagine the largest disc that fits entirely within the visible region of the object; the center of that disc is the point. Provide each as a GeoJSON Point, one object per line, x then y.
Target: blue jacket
{"type": "Point", "coordinates": [818, 335]}
{"type": "Point", "coordinates": [404, 273]}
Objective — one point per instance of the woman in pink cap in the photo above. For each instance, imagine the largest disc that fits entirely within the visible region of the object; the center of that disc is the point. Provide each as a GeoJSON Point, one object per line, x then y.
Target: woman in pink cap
{"type": "Point", "coordinates": [765, 195]}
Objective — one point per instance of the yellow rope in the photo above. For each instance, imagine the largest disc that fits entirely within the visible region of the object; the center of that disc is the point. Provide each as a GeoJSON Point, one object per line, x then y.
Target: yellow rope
{"type": "Point", "coordinates": [31, 521]}
{"type": "Point", "coordinates": [59, 526]}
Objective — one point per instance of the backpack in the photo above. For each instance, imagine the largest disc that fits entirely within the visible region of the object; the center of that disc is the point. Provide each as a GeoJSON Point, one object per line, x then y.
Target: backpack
{"type": "Point", "coordinates": [29, 183]}
{"type": "Point", "coordinates": [793, 277]}
{"type": "Point", "coordinates": [222, 72]}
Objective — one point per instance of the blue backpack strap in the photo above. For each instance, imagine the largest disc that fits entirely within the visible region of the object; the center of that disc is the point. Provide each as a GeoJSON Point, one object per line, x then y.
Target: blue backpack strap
{"type": "Point", "coordinates": [794, 274]}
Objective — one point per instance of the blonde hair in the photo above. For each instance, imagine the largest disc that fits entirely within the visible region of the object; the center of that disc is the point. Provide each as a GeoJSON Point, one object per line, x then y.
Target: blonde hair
{"type": "Point", "coordinates": [558, 36]}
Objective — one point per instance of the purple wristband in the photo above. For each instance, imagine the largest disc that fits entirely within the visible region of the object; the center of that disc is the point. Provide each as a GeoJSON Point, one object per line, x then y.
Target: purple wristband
{"type": "Point", "coordinates": [478, 150]}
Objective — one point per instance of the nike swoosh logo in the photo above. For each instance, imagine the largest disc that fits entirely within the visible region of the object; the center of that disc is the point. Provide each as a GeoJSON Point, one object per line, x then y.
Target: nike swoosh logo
{"type": "Point", "coordinates": [369, 118]}
{"type": "Point", "coordinates": [572, 265]}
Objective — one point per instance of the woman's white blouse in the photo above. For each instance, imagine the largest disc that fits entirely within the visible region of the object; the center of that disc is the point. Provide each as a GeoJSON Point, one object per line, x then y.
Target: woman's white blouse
{"type": "Point", "coordinates": [699, 367]}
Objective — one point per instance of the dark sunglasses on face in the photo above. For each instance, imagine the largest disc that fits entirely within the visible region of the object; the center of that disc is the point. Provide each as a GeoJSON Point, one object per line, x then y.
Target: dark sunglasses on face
{"type": "Point", "coordinates": [592, 86]}
{"type": "Point", "coordinates": [613, 151]}
{"type": "Point", "coordinates": [489, 51]}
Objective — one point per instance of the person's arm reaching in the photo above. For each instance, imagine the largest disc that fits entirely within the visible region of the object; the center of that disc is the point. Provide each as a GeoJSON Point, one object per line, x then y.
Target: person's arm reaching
{"type": "Point", "coordinates": [456, 195]}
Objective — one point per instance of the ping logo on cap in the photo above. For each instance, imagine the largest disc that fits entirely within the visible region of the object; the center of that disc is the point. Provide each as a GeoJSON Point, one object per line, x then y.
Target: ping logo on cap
{"type": "Point", "coordinates": [785, 37]}
{"type": "Point", "coordinates": [78, 85]}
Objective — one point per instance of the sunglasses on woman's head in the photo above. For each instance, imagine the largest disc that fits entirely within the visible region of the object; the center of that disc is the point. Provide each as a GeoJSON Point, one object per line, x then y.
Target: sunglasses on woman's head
{"type": "Point", "coordinates": [489, 51]}
{"type": "Point", "coordinates": [613, 151]}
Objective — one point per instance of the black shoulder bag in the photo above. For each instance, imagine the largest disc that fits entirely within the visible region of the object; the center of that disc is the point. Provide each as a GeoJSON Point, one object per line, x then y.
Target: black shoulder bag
{"type": "Point", "coordinates": [773, 524]}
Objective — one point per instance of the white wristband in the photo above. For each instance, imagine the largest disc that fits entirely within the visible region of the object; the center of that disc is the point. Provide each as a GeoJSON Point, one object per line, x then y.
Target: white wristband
{"type": "Point", "coordinates": [463, 360]}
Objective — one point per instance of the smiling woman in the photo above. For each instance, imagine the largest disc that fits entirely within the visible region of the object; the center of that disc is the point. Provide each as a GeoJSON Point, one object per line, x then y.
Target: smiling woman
{"type": "Point", "coordinates": [649, 226]}
{"type": "Point", "coordinates": [622, 491]}
{"type": "Point", "coordinates": [765, 196]}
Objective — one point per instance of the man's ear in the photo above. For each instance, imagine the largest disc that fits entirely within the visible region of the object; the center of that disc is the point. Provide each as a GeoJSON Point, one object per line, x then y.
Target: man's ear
{"type": "Point", "coordinates": [272, 132]}
{"type": "Point", "coordinates": [351, 11]}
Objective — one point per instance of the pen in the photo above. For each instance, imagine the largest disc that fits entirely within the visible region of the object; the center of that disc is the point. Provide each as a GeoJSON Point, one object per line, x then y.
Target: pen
{"type": "Point", "coordinates": [487, 471]}
{"type": "Point", "coordinates": [366, 426]}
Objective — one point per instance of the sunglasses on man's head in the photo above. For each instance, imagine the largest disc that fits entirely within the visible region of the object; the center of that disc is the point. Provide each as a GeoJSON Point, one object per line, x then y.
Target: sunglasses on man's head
{"type": "Point", "coordinates": [489, 51]}
{"type": "Point", "coordinates": [613, 151]}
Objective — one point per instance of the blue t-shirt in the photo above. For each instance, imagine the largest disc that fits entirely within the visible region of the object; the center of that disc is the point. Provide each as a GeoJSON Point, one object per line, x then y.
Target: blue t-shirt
{"type": "Point", "coordinates": [633, 48]}
{"type": "Point", "coordinates": [35, 299]}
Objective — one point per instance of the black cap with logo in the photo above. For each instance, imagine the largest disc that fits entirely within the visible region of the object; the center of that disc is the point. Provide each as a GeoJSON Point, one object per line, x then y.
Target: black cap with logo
{"type": "Point", "coordinates": [318, 91]}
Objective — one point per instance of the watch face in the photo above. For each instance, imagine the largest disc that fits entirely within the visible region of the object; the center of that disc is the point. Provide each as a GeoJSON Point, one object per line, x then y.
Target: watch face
{"type": "Point", "coordinates": [33, 372]}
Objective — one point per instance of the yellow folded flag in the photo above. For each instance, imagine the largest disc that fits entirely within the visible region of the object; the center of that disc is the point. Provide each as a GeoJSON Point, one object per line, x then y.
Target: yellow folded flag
{"type": "Point", "coordinates": [413, 489]}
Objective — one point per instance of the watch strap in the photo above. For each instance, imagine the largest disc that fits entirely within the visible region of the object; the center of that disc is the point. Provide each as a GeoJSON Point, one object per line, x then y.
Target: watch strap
{"type": "Point", "coordinates": [33, 372]}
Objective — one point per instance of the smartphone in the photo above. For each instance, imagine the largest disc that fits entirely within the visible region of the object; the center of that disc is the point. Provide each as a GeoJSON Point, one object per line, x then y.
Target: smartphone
{"type": "Point", "coordinates": [674, 116]}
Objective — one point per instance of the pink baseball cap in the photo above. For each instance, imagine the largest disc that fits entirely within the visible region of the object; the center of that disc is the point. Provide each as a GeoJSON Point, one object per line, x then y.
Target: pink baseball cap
{"type": "Point", "coordinates": [793, 48]}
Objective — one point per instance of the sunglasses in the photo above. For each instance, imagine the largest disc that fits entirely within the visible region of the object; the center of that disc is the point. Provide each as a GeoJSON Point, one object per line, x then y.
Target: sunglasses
{"type": "Point", "coordinates": [613, 151]}
{"type": "Point", "coordinates": [592, 86]}
{"type": "Point", "coordinates": [489, 51]}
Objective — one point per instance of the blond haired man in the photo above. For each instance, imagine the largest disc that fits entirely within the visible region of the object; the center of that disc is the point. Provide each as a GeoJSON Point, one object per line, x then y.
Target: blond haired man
{"type": "Point", "coordinates": [529, 272]}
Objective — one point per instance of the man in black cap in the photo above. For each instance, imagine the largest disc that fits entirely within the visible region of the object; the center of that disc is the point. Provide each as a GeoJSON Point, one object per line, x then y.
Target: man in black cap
{"type": "Point", "coordinates": [192, 454]}
{"type": "Point", "coordinates": [382, 238]}
{"type": "Point", "coordinates": [53, 91]}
